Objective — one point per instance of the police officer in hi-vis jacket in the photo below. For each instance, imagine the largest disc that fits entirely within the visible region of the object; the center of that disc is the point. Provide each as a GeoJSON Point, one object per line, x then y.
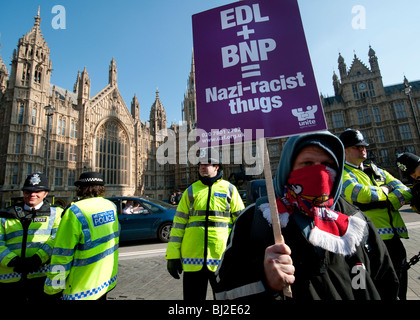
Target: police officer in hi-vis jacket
{"type": "Point", "coordinates": [27, 236]}
{"type": "Point", "coordinates": [379, 195]}
{"type": "Point", "coordinates": [84, 262]}
{"type": "Point", "coordinates": [201, 227]}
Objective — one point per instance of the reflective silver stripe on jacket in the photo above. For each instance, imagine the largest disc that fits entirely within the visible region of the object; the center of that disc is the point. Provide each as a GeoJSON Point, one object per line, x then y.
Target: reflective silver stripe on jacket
{"type": "Point", "coordinates": [229, 196]}
{"type": "Point", "coordinates": [245, 290]}
{"type": "Point", "coordinates": [190, 197]}
{"type": "Point", "coordinates": [210, 224]}
{"type": "Point", "coordinates": [197, 213]}
{"type": "Point", "coordinates": [225, 213]}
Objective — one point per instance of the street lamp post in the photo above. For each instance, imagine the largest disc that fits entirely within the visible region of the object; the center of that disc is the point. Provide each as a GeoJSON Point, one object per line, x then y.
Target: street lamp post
{"type": "Point", "coordinates": [49, 111]}
{"type": "Point", "coordinates": [407, 91]}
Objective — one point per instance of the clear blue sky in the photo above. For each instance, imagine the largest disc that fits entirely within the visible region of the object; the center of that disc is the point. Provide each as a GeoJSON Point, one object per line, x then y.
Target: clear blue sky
{"type": "Point", "coordinates": [151, 41]}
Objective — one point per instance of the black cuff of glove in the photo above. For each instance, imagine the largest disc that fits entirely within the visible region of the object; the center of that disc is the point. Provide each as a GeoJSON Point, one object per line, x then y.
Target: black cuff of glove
{"type": "Point", "coordinates": [33, 263]}
{"type": "Point", "coordinates": [174, 267]}
{"type": "Point", "coordinates": [25, 265]}
{"type": "Point", "coordinates": [12, 263]}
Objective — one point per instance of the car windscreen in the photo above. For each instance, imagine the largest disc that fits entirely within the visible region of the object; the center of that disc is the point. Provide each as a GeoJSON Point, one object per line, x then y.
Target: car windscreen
{"type": "Point", "coordinates": [160, 203]}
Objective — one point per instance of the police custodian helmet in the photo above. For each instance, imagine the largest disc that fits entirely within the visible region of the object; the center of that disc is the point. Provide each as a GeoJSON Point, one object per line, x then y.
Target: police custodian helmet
{"type": "Point", "coordinates": [90, 179]}
{"type": "Point", "coordinates": [36, 182]}
{"type": "Point", "coordinates": [407, 163]}
{"type": "Point", "coordinates": [352, 137]}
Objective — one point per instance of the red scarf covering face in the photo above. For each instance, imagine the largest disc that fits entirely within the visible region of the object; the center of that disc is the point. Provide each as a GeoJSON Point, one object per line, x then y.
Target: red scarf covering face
{"type": "Point", "coordinates": [309, 192]}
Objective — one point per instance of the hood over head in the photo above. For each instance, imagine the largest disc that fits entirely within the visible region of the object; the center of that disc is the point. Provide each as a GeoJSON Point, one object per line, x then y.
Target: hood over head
{"type": "Point", "coordinates": [323, 139]}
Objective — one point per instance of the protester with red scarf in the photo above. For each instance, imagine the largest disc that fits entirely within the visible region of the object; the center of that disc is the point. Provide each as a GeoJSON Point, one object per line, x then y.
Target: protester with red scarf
{"type": "Point", "coordinates": [331, 251]}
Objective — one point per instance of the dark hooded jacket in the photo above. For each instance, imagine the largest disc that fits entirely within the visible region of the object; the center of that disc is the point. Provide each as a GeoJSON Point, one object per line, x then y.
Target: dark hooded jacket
{"type": "Point", "coordinates": [319, 274]}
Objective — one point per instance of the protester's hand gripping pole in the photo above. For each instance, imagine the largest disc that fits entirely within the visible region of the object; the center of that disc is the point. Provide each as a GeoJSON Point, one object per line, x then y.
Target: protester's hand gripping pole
{"type": "Point", "coordinates": [278, 238]}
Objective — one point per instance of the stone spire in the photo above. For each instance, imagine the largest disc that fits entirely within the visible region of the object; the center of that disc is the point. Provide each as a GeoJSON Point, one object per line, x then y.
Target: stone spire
{"type": "Point", "coordinates": [113, 73]}
{"type": "Point", "coordinates": [157, 114]}
{"type": "Point", "coordinates": [4, 75]}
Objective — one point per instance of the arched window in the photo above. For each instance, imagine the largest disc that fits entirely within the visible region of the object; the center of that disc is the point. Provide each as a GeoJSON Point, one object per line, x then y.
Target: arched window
{"type": "Point", "coordinates": [73, 129]}
{"type": "Point", "coordinates": [21, 113]}
{"type": "Point", "coordinates": [37, 75]}
{"type": "Point", "coordinates": [33, 121]}
{"type": "Point", "coordinates": [26, 72]}
{"type": "Point", "coordinates": [61, 128]}
{"type": "Point", "coordinates": [112, 153]}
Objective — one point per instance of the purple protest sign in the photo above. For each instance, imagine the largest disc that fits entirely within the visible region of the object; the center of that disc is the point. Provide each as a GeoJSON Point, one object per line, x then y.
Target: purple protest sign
{"type": "Point", "coordinates": [253, 71]}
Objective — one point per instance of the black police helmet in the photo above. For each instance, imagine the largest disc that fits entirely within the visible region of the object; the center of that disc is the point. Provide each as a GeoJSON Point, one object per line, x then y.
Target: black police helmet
{"type": "Point", "coordinates": [407, 162]}
{"type": "Point", "coordinates": [352, 137]}
{"type": "Point", "coordinates": [36, 182]}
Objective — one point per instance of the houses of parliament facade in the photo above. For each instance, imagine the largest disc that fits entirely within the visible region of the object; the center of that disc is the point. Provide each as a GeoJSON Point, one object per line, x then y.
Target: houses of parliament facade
{"type": "Point", "coordinates": [66, 132]}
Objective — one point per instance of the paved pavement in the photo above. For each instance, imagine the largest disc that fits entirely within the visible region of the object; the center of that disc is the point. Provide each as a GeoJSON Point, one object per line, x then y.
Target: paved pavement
{"type": "Point", "coordinates": [146, 277]}
{"type": "Point", "coordinates": [412, 246]}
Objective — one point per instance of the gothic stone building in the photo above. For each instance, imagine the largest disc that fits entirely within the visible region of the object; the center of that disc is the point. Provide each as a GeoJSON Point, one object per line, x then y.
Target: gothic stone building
{"type": "Point", "coordinates": [86, 132]}
{"type": "Point", "coordinates": [98, 132]}
{"type": "Point", "coordinates": [387, 116]}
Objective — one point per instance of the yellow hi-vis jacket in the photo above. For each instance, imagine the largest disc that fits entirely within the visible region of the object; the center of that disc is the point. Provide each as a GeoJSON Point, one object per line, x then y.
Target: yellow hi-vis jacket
{"type": "Point", "coordinates": [202, 224]}
{"type": "Point", "coordinates": [365, 191]}
{"type": "Point", "coordinates": [38, 238]}
{"type": "Point", "coordinates": [84, 261]}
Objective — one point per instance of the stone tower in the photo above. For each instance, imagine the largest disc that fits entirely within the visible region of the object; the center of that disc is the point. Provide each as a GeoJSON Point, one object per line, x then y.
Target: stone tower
{"type": "Point", "coordinates": [24, 121]}
{"type": "Point", "coordinates": [157, 116]}
{"type": "Point", "coordinates": [189, 110]}
{"type": "Point", "coordinates": [385, 115]}
{"type": "Point", "coordinates": [82, 87]}
{"type": "Point", "coordinates": [4, 75]}
{"type": "Point", "coordinates": [113, 73]}
{"type": "Point", "coordinates": [359, 81]}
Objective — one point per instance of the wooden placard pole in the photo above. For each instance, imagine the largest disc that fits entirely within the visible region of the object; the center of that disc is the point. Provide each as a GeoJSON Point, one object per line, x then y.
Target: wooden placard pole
{"type": "Point", "coordinates": [278, 238]}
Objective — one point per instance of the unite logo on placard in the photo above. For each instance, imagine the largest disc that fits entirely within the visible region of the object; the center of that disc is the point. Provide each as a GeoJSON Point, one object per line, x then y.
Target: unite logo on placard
{"type": "Point", "coordinates": [306, 117]}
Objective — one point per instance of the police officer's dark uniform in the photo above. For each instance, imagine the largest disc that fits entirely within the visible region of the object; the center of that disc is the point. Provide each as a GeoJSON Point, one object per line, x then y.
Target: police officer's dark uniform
{"type": "Point", "coordinates": [408, 162]}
